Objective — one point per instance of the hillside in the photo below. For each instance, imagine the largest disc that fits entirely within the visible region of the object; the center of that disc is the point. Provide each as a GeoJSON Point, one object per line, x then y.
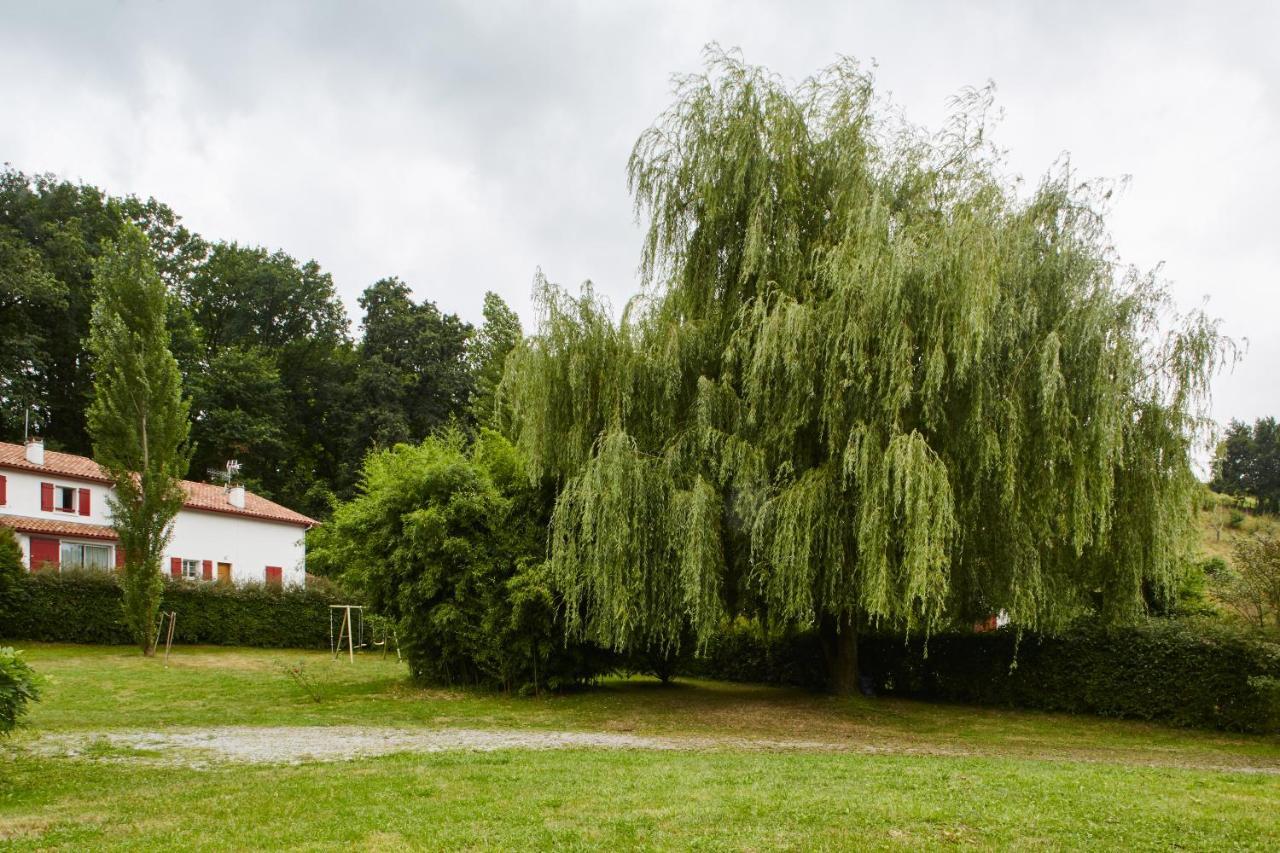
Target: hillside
{"type": "Point", "coordinates": [1225, 522]}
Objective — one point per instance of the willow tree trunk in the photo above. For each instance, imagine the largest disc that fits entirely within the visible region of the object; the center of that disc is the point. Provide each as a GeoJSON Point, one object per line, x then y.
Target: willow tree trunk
{"type": "Point", "coordinates": [840, 648]}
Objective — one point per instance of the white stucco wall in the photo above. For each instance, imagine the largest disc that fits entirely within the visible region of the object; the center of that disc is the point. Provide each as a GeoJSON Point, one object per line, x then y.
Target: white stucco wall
{"type": "Point", "coordinates": [23, 497]}
{"type": "Point", "coordinates": [248, 544]}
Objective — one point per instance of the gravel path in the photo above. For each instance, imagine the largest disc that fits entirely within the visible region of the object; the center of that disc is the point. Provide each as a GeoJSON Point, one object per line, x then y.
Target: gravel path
{"type": "Point", "coordinates": [295, 744]}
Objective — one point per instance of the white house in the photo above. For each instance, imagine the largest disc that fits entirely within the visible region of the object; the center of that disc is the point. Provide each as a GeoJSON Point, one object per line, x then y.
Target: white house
{"type": "Point", "coordinates": [57, 504]}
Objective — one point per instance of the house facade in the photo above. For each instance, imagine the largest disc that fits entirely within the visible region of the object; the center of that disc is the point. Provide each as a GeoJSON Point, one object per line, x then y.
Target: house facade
{"type": "Point", "coordinates": [57, 505]}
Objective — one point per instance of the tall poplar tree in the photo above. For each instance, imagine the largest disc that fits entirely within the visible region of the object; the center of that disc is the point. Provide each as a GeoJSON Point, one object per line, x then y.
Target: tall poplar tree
{"type": "Point", "coordinates": [138, 419]}
{"type": "Point", "coordinates": [868, 383]}
{"type": "Point", "coordinates": [496, 339]}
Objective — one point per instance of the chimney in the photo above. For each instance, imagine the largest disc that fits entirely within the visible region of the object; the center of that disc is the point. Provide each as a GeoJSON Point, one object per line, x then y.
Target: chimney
{"type": "Point", "coordinates": [35, 450]}
{"type": "Point", "coordinates": [235, 496]}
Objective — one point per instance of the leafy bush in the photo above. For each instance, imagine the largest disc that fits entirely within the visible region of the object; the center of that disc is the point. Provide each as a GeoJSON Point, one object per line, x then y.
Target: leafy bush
{"type": "Point", "coordinates": [1185, 672]}
{"type": "Point", "coordinates": [744, 651]}
{"type": "Point", "coordinates": [11, 568]}
{"type": "Point", "coordinates": [1214, 567]}
{"type": "Point", "coordinates": [1252, 589]}
{"type": "Point", "coordinates": [1236, 519]}
{"type": "Point", "coordinates": [85, 607]}
{"type": "Point", "coordinates": [19, 685]}
{"type": "Point", "coordinates": [448, 538]}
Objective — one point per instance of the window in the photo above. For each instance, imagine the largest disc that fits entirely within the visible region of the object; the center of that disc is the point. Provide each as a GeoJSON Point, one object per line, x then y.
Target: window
{"type": "Point", "coordinates": [191, 569]}
{"type": "Point", "coordinates": [65, 497]}
{"type": "Point", "coordinates": [77, 556]}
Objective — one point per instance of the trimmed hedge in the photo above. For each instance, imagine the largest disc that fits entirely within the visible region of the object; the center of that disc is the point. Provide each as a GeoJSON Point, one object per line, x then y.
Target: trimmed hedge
{"type": "Point", "coordinates": [1188, 673]}
{"type": "Point", "coordinates": [1175, 671]}
{"type": "Point", "coordinates": [742, 652]}
{"type": "Point", "coordinates": [85, 608]}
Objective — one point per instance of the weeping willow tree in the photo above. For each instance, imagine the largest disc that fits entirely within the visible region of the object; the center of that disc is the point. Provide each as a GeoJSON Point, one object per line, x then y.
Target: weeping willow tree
{"type": "Point", "coordinates": [869, 382]}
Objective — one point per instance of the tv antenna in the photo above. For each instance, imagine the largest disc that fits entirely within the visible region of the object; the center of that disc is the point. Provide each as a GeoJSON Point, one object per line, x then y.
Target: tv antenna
{"type": "Point", "coordinates": [225, 476]}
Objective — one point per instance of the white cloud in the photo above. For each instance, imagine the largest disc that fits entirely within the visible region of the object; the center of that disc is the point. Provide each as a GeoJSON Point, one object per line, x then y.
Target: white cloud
{"type": "Point", "coordinates": [460, 146]}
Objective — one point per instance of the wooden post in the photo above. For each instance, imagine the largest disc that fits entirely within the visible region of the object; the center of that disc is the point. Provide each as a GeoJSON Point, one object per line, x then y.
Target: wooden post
{"type": "Point", "coordinates": [351, 640]}
{"type": "Point", "coordinates": [173, 618]}
{"type": "Point", "coordinates": [342, 626]}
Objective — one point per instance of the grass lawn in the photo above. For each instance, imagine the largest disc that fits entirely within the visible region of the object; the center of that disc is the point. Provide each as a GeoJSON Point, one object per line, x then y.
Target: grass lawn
{"type": "Point", "coordinates": [876, 774]}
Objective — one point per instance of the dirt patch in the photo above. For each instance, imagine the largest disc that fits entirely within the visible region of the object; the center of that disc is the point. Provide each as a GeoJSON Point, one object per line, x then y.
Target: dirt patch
{"type": "Point", "coordinates": [299, 744]}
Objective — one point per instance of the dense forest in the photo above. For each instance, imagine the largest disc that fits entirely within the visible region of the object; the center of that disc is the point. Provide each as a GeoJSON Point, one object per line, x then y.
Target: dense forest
{"type": "Point", "coordinates": [276, 376]}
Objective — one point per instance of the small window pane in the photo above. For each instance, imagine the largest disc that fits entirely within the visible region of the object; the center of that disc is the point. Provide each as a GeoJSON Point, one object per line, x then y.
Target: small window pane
{"type": "Point", "coordinates": [72, 557]}
{"type": "Point", "coordinates": [191, 569]}
{"type": "Point", "coordinates": [97, 557]}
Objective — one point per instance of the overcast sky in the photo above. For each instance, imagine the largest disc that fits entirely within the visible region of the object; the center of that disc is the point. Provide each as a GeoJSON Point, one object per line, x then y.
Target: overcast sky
{"type": "Point", "coordinates": [461, 146]}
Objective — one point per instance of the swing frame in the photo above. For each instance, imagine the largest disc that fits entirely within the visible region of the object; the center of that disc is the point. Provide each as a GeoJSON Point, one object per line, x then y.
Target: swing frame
{"type": "Point", "coordinates": [346, 629]}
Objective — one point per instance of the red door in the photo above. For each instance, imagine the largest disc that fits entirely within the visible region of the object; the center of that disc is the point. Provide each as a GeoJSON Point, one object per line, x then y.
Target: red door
{"type": "Point", "coordinates": [44, 552]}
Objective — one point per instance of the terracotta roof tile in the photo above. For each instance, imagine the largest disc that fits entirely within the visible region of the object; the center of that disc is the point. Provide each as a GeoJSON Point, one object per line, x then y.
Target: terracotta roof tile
{"type": "Point", "coordinates": [65, 464]}
{"type": "Point", "coordinates": [58, 527]}
{"type": "Point", "coordinates": [201, 496]}
{"type": "Point", "coordinates": [209, 496]}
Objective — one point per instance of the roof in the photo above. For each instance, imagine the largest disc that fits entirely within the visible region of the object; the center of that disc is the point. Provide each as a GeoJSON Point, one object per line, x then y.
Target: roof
{"type": "Point", "coordinates": [58, 527]}
{"type": "Point", "coordinates": [200, 496]}
{"type": "Point", "coordinates": [212, 497]}
{"type": "Point", "coordinates": [65, 464]}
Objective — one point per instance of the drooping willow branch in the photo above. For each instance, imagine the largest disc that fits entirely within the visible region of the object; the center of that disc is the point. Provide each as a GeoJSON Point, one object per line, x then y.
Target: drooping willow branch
{"type": "Point", "coordinates": [867, 377]}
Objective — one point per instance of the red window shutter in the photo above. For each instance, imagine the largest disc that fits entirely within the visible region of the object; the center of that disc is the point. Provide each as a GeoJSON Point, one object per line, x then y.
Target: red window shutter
{"type": "Point", "coordinates": [46, 497]}
{"type": "Point", "coordinates": [45, 551]}
{"type": "Point", "coordinates": [4, 490]}
{"type": "Point", "coordinates": [84, 501]}
{"type": "Point", "coordinates": [275, 576]}
{"type": "Point", "coordinates": [119, 557]}
{"type": "Point", "coordinates": [175, 566]}
{"type": "Point", "coordinates": [208, 570]}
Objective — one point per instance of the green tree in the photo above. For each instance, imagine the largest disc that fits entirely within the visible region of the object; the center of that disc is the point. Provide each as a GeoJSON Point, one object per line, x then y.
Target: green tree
{"type": "Point", "coordinates": [1231, 462]}
{"type": "Point", "coordinates": [248, 296]}
{"type": "Point", "coordinates": [447, 539]}
{"type": "Point", "coordinates": [138, 419]}
{"type": "Point", "coordinates": [413, 372]}
{"type": "Point", "coordinates": [1248, 463]}
{"type": "Point", "coordinates": [28, 295]}
{"type": "Point", "coordinates": [238, 405]}
{"type": "Point", "coordinates": [51, 231]}
{"type": "Point", "coordinates": [1252, 588]}
{"type": "Point", "coordinates": [499, 335]}
{"type": "Point", "coordinates": [867, 384]}
{"type": "Point", "coordinates": [273, 373]}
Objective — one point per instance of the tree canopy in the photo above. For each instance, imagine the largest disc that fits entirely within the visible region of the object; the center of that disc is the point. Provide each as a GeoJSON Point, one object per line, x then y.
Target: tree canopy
{"type": "Point", "coordinates": [869, 381]}
{"type": "Point", "coordinates": [263, 344]}
{"type": "Point", "coordinates": [1247, 463]}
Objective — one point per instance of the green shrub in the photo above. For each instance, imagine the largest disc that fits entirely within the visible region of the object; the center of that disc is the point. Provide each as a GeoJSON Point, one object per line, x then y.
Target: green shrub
{"type": "Point", "coordinates": [1188, 673]}
{"type": "Point", "coordinates": [11, 568]}
{"type": "Point", "coordinates": [447, 538]}
{"type": "Point", "coordinates": [85, 607]}
{"type": "Point", "coordinates": [1236, 519]}
{"type": "Point", "coordinates": [19, 685]}
{"type": "Point", "coordinates": [1214, 567]}
{"type": "Point", "coordinates": [745, 651]}
{"type": "Point", "coordinates": [1185, 672]}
